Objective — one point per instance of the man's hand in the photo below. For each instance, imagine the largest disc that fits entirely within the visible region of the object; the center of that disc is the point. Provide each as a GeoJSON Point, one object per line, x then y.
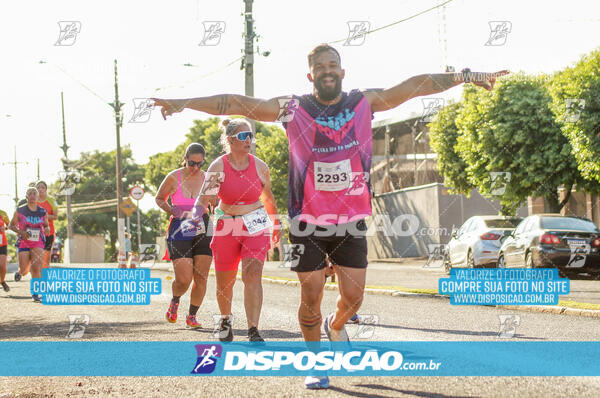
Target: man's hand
{"type": "Point", "coordinates": [46, 231]}
{"type": "Point", "coordinates": [169, 107]}
{"type": "Point", "coordinates": [486, 80]}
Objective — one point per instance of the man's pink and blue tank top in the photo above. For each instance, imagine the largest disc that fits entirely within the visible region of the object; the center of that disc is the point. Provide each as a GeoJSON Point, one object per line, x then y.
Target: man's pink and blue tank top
{"type": "Point", "coordinates": [330, 157]}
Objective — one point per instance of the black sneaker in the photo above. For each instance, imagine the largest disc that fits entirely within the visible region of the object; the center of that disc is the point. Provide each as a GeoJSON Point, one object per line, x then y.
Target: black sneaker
{"type": "Point", "coordinates": [5, 286]}
{"type": "Point", "coordinates": [36, 298]}
{"type": "Point", "coordinates": [17, 276]}
{"type": "Point", "coordinates": [253, 335]}
{"type": "Point", "coordinates": [225, 330]}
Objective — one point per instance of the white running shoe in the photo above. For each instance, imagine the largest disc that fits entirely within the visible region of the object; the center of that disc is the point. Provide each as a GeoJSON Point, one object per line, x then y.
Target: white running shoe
{"type": "Point", "coordinates": [316, 382]}
{"type": "Point", "coordinates": [332, 334]}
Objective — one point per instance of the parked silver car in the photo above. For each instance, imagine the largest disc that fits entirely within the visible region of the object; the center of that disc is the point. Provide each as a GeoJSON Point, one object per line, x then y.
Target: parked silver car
{"type": "Point", "coordinates": [477, 242]}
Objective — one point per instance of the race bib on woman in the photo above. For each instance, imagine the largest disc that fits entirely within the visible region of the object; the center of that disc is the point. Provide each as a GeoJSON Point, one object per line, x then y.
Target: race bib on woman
{"type": "Point", "coordinates": [257, 221]}
{"type": "Point", "coordinates": [33, 234]}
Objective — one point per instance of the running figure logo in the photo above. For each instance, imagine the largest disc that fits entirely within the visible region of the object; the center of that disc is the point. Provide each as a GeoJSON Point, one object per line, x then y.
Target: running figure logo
{"type": "Point", "coordinates": [207, 358]}
{"type": "Point", "coordinates": [68, 33]}
{"type": "Point", "coordinates": [212, 33]}
{"type": "Point", "coordinates": [77, 325]}
{"type": "Point", "coordinates": [291, 254]}
{"type": "Point", "coordinates": [357, 33]}
{"type": "Point", "coordinates": [358, 183]}
{"type": "Point", "coordinates": [436, 255]}
{"type": "Point", "coordinates": [508, 325]}
{"type": "Point", "coordinates": [499, 31]}
{"type": "Point", "coordinates": [68, 179]}
{"type": "Point", "coordinates": [366, 326]}
{"type": "Point", "coordinates": [212, 182]}
{"type": "Point", "coordinates": [579, 251]}
{"type": "Point", "coordinates": [431, 106]}
{"type": "Point", "coordinates": [498, 182]}
{"type": "Point", "coordinates": [287, 108]}
{"type": "Point", "coordinates": [142, 110]}
{"type": "Point", "coordinates": [574, 107]}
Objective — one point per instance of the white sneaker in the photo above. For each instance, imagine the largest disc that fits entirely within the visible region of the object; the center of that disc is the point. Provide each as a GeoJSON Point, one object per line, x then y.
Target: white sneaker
{"type": "Point", "coordinates": [332, 334]}
{"type": "Point", "coordinates": [316, 382]}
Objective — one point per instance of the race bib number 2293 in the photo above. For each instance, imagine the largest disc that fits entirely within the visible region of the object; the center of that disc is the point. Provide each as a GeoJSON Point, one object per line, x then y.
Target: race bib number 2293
{"type": "Point", "coordinates": [332, 176]}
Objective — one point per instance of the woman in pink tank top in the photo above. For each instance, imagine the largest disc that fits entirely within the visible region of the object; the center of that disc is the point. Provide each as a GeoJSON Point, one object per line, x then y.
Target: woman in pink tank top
{"type": "Point", "coordinates": [189, 249]}
{"type": "Point", "coordinates": [243, 222]}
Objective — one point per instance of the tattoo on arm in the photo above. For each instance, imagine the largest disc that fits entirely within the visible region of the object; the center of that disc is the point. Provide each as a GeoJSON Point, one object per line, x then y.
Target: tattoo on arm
{"type": "Point", "coordinates": [223, 104]}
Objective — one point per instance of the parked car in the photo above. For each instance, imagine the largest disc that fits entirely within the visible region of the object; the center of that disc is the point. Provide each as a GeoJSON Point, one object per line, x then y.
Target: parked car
{"type": "Point", "coordinates": [56, 253]}
{"type": "Point", "coordinates": [477, 241]}
{"type": "Point", "coordinates": [571, 244]}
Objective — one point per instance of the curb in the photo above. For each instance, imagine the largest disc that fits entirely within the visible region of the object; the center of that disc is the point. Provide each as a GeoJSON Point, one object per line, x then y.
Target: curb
{"type": "Point", "coordinates": [556, 310]}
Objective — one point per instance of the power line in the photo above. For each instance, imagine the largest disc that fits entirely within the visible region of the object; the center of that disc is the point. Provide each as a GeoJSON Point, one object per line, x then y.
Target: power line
{"type": "Point", "coordinates": [397, 22]}
{"type": "Point", "coordinates": [201, 76]}
{"type": "Point", "coordinates": [76, 80]}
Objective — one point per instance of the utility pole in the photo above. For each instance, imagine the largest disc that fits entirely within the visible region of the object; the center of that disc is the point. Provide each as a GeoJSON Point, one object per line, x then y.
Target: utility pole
{"type": "Point", "coordinates": [15, 163]}
{"type": "Point", "coordinates": [249, 49]}
{"type": "Point", "coordinates": [67, 168]}
{"type": "Point", "coordinates": [249, 58]}
{"type": "Point", "coordinates": [38, 169]}
{"type": "Point", "coordinates": [118, 122]}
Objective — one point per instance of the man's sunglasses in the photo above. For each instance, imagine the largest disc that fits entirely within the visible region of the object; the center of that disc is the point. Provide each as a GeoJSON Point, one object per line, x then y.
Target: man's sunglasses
{"type": "Point", "coordinates": [244, 135]}
{"type": "Point", "coordinates": [191, 163]}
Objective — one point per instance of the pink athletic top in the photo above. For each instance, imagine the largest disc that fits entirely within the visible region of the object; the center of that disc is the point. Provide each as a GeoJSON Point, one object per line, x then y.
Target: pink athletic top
{"type": "Point", "coordinates": [179, 199]}
{"type": "Point", "coordinates": [33, 222]}
{"type": "Point", "coordinates": [186, 204]}
{"type": "Point", "coordinates": [240, 187]}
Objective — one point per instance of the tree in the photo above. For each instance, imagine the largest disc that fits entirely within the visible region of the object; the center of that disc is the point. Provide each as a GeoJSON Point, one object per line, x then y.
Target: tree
{"type": "Point", "coordinates": [510, 132]}
{"type": "Point", "coordinates": [576, 104]}
{"type": "Point", "coordinates": [443, 135]}
{"type": "Point", "coordinates": [98, 182]}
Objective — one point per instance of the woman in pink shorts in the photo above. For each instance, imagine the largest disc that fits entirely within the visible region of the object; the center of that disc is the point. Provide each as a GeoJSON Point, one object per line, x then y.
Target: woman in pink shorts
{"type": "Point", "coordinates": [242, 221]}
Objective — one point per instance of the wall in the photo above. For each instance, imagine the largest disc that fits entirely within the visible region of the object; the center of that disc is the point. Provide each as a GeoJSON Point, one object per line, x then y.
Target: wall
{"type": "Point", "coordinates": [87, 248]}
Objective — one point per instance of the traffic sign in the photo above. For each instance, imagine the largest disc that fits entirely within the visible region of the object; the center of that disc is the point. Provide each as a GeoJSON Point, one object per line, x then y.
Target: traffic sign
{"type": "Point", "coordinates": [136, 192]}
{"type": "Point", "coordinates": [128, 207]}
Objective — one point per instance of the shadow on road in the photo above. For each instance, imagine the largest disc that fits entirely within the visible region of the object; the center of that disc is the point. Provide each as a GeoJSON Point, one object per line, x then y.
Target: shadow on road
{"type": "Point", "coordinates": [265, 333]}
{"type": "Point", "coordinates": [43, 328]}
{"type": "Point", "coordinates": [389, 390]}
{"type": "Point", "coordinates": [12, 297]}
{"type": "Point", "coordinates": [461, 332]}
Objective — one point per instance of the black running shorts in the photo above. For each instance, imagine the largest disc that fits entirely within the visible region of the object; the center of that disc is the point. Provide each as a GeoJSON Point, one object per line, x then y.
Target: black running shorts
{"type": "Point", "coordinates": [344, 244]}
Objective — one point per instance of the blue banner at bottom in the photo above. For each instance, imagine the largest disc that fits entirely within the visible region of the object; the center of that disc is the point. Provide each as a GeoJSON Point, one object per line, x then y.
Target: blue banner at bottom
{"type": "Point", "coordinates": [108, 358]}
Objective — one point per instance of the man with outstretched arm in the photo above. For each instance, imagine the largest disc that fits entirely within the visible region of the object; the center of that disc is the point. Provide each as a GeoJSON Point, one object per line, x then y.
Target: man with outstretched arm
{"type": "Point", "coordinates": [330, 149]}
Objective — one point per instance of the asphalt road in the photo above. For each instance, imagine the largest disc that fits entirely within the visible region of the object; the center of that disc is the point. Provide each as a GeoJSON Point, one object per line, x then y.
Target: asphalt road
{"type": "Point", "coordinates": [400, 318]}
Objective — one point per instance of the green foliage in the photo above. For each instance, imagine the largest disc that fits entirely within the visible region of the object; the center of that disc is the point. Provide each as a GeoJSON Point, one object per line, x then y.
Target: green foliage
{"type": "Point", "coordinates": [98, 182]}
{"type": "Point", "coordinates": [510, 129]}
{"type": "Point", "coordinates": [272, 148]}
{"type": "Point", "coordinates": [443, 135]}
{"type": "Point", "coordinates": [581, 125]}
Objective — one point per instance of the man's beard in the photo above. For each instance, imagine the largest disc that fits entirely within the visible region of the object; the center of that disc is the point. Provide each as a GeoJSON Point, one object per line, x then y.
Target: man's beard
{"type": "Point", "coordinates": [328, 94]}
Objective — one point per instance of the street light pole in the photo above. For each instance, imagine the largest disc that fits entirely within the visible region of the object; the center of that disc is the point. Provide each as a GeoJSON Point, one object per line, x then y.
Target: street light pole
{"type": "Point", "coordinates": [15, 163]}
{"type": "Point", "coordinates": [118, 122]}
{"type": "Point", "coordinates": [66, 166]}
{"type": "Point", "coordinates": [249, 58]}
